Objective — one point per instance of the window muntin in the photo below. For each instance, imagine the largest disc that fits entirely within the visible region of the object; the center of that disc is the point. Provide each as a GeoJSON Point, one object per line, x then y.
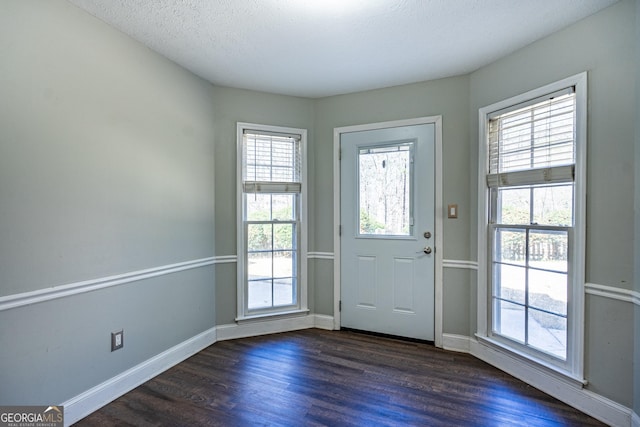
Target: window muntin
{"type": "Point", "coordinates": [385, 181]}
{"type": "Point", "coordinates": [270, 274]}
{"type": "Point", "coordinates": [532, 152]}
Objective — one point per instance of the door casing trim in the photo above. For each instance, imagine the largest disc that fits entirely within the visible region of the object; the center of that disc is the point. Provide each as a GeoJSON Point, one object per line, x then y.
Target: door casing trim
{"type": "Point", "coordinates": [438, 214]}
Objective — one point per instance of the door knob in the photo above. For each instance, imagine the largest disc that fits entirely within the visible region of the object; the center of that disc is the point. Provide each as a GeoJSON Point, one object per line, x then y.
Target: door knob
{"type": "Point", "coordinates": [427, 250]}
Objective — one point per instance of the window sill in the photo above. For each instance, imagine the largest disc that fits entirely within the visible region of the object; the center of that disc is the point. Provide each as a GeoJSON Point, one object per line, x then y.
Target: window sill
{"type": "Point", "coordinates": [272, 316]}
{"type": "Point", "coordinates": [533, 362]}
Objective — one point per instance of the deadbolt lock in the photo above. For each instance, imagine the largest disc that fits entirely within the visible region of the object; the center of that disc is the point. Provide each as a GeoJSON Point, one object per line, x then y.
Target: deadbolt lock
{"type": "Point", "coordinates": [427, 234]}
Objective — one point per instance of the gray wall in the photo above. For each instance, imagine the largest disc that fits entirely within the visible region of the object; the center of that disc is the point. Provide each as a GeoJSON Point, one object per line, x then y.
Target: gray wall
{"type": "Point", "coordinates": [106, 167]}
{"type": "Point", "coordinates": [603, 45]}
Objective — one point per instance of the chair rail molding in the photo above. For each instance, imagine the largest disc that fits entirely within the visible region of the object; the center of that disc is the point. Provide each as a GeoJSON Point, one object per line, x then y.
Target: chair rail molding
{"type": "Point", "coordinates": [320, 255]}
{"type": "Point", "coordinates": [62, 291]}
{"type": "Point", "coordinates": [455, 263]}
{"type": "Point", "coordinates": [612, 292]}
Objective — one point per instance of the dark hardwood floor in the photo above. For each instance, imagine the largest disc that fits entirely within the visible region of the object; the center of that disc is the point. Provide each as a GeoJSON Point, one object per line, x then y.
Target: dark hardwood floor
{"type": "Point", "coordinates": [334, 378]}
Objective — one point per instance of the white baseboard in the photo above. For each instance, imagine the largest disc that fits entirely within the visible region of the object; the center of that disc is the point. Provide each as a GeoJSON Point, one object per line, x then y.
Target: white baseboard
{"type": "Point", "coordinates": [595, 405]}
{"type": "Point", "coordinates": [459, 343]}
{"type": "Point", "coordinates": [95, 398]}
{"type": "Point", "coordinates": [323, 321]}
{"type": "Point", "coordinates": [273, 326]}
{"type": "Point", "coordinates": [605, 410]}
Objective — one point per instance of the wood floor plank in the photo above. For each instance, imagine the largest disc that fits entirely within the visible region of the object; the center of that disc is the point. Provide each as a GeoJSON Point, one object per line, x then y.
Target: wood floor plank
{"type": "Point", "coordinates": [334, 378]}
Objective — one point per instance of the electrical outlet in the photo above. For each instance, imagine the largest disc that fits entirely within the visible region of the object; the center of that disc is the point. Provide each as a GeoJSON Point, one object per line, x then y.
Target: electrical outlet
{"type": "Point", "coordinates": [117, 340]}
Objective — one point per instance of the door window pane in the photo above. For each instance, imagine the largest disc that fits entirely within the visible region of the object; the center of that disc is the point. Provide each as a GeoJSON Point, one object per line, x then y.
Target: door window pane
{"type": "Point", "coordinates": [384, 190]}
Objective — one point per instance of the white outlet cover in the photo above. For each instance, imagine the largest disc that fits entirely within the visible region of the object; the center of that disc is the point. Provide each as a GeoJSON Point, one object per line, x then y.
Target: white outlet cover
{"type": "Point", "coordinates": [117, 340]}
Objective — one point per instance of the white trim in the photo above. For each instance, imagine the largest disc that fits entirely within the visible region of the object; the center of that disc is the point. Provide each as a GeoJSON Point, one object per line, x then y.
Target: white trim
{"type": "Point", "coordinates": [590, 403]}
{"type": "Point", "coordinates": [540, 363]}
{"type": "Point", "coordinates": [454, 263]}
{"type": "Point", "coordinates": [459, 343]}
{"type": "Point", "coordinates": [271, 316]}
{"type": "Point", "coordinates": [482, 302]}
{"type": "Point", "coordinates": [336, 228]}
{"type": "Point", "coordinates": [320, 255]}
{"type": "Point", "coordinates": [322, 321]}
{"type": "Point", "coordinates": [439, 238]}
{"type": "Point", "coordinates": [265, 326]}
{"type": "Point", "coordinates": [586, 401]}
{"type": "Point", "coordinates": [226, 259]}
{"type": "Point", "coordinates": [576, 312]}
{"type": "Point", "coordinates": [619, 294]}
{"type": "Point", "coordinates": [438, 207]}
{"type": "Point", "coordinates": [42, 295]}
{"type": "Point", "coordinates": [96, 397]}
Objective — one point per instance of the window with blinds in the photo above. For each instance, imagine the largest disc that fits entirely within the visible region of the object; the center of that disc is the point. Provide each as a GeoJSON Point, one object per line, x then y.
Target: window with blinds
{"type": "Point", "coordinates": [534, 142]}
{"type": "Point", "coordinates": [272, 238]}
{"type": "Point", "coordinates": [531, 150]}
{"type": "Point", "coordinates": [532, 225]}
{"type": "Point", "coordinates": [271, 162]}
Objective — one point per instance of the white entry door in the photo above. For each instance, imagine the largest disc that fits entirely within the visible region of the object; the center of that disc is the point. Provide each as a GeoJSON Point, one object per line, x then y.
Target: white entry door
{"type": "Point", "coordinates": [387, 236]}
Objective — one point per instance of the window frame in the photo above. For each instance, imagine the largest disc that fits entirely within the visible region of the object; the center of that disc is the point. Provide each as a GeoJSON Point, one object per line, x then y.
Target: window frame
{"type": "Point", "coordinates": [573, 366]}
{"type": "Point", "coordinates": [301, 305]}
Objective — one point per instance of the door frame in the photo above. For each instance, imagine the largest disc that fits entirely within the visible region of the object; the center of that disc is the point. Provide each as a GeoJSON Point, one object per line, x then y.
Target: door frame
{"type": "Point", "coordinates": [438, 214]}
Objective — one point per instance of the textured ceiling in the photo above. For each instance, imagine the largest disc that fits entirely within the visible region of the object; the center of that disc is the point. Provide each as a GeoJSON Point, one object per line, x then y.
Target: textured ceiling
{"type": "Point", "coordinates": [316, 48]}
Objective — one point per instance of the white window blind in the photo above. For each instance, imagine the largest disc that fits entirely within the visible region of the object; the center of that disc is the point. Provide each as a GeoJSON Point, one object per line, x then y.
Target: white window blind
{"type": "Point", "coordinates": [272, 162]}
{"type": "Point", "coordinates": [533, 143]}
